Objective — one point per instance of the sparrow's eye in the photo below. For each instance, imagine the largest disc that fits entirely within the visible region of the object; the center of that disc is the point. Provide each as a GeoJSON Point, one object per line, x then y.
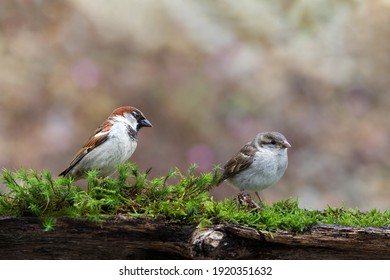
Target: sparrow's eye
{"type": "Point", "coordinates": [273, 142]}
{"type": "Point", "coordinates": [136, 115]}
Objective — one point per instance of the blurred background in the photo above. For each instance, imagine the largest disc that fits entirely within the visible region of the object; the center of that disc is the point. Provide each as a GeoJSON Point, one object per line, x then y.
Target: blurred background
{"type": "Point", "coordinates": [209, 75]}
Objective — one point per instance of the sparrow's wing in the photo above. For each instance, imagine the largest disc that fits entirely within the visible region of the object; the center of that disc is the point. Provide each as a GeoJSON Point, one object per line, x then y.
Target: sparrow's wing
{"type": "Point", "coordinates": [240, 161]}
{"type": "Point", "coordinates": [99, 137]}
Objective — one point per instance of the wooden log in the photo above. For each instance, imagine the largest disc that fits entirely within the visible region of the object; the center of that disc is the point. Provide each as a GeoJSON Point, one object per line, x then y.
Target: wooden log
{"type": "Point", "coordinates": [126, 238]}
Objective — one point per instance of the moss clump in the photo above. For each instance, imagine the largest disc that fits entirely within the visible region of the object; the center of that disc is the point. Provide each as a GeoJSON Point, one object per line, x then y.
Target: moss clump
{"type": "Point", "coordinates": [176, 197]}
{"type": "Point", "coordinates": [33, 194]}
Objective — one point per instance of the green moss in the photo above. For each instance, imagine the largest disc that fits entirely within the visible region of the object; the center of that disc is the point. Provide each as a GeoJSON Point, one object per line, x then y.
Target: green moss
{"type": "Point", "coordinates": [176, 197]}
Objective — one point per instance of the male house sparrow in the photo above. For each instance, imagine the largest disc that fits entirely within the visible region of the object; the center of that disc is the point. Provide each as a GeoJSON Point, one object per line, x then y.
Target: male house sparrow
{"type": "Point", "coordinates": [112, 143]}
{"type": "Point", "coordinates": [259, 164]}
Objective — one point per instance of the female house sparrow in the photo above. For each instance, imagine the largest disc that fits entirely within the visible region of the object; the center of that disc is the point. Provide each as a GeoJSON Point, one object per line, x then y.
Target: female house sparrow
{"type": "Point", "coordinates": [112, 143]}
{"type": "Point", "coordinates": [259, 164]}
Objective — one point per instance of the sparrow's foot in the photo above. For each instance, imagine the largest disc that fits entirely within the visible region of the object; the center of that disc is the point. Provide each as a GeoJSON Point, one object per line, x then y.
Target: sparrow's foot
{"type": "Point", "coordinates": [258, 196]}
{"type": "Point", "coordinates": [245, 199]}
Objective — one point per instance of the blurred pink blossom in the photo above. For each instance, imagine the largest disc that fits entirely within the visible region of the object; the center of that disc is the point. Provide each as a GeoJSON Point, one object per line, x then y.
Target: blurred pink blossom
{"type": "Point", "coordinates": [86, 74]}
{"type": "Point", "coordinates": [201, 155]}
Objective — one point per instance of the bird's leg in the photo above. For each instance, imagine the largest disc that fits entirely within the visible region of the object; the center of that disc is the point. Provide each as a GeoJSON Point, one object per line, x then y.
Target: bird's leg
{"type": "Point", "coordinates": [258, 196]}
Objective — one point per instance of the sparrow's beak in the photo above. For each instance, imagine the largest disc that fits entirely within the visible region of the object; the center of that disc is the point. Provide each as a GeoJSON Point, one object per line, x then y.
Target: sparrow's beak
{"type": "Point", "coordinates": [285, 144]}
{"type": "Point", "coordinates": [145, 123]}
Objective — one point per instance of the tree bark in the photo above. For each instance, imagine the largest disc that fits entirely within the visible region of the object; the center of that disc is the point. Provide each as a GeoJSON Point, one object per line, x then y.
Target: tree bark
{"type": "Point", "coordinates": [125, 238]}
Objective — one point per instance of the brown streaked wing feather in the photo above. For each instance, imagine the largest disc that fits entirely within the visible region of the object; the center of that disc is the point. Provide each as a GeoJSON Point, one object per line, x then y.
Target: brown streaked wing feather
{"type": "Point", "coordinates": [239, 161]}
{"type": "Point", "coordinates": [99, 137]}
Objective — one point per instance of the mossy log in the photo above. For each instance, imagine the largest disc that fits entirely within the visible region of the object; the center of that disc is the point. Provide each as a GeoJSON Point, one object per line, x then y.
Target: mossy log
{"type": "Point", "coordinates": [125, 238]}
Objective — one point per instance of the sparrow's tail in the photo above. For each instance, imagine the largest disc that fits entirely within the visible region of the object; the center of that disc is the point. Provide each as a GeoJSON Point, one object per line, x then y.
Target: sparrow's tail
{"type": "Point", "coordinates": [65, 172]}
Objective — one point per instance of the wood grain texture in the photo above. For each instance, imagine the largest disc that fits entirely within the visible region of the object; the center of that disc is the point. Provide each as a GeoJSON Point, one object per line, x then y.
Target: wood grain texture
{"type": "Point", "coordinates": [124, 238]}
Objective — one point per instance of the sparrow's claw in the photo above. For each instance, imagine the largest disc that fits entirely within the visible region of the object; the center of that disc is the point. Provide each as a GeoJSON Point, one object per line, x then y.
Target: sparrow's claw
{"type": "Point", "coordinates": [245, 199]}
